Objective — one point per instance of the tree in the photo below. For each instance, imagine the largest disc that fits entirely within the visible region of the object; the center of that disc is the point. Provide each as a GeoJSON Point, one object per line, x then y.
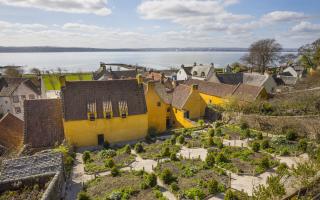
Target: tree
{"type": "Point", "coordinates": [287, 59]}
{"type": "Point", "coordinates": [255, 146]}
{"type": "Point", "coordinates": [304, 173]}
{"type": "Point", "coordinates": [262, 54]}
{"type": "Point", "coordinates": [36, 71]}
{"type": "Point", "coordinates": [167, 176]}
{"type": "Point", "coordinates": [310, 55]}
{"type": "Point", "coordinates": [274, 189]}
{"type": "Point", "coordinates": [12, 71]}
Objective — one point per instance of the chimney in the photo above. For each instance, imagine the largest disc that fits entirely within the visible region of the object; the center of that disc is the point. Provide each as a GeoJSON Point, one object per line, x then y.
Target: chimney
{"type": "Point", "coordinates": [182, 66]}
{"type": "Point", "coordinates": [62, 80]}
{"type": "Point", "coordinates": [195, 87]}
{"type": "Point", "coordinates": [139, 79]}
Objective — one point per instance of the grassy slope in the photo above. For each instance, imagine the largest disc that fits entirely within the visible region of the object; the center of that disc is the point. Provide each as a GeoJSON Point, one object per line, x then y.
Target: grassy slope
{"type": "Point", "coordinates": [51, 81]}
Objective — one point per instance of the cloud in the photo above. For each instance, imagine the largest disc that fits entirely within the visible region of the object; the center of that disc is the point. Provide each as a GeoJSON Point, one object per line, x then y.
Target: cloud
{"type": "Point", "coordinates": [282, 16]}
{"type": "Point", "coordinates": [97, 7]}
{"type": "Point", "coordinates": [306, 27]}
{"type": "Point", "coordinates": [193, 14]}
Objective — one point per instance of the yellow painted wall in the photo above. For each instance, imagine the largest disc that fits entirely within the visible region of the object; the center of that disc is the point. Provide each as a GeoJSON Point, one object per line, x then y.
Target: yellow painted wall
{"type": "Point", "coordinates": [157, 115]}
{"type": "Point", "coordinates": [214, 99]}
{"type": "Point", "coordinates": [180, 121]}
{"type": "Point", "coordinates": [85, 132]}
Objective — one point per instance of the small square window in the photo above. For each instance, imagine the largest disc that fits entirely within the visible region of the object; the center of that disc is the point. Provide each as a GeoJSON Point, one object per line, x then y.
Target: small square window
{"type": "Point", "coordinates": [31, 96]}
{"type": "Point", "coordinates": [15, 99]}
{"type": "Point", "coordinates": [108, 115]}
{"type": "Point", "coordinates": [23, 97]}
{"type": "Point", "coordinates": [123, 115]}
{"type": "Point", "coordinates": [18, 110]}
{"type": "Point", "coordinates": [92, 117]}
{"type": "Point", "coordinates": [159, 104]}
{"type": "Point", "coordinates": [210, 101]}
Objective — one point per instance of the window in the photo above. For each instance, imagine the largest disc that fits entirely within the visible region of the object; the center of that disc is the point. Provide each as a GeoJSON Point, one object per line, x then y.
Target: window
{"type": "Point", "coordinates": [186, 114]}
{"type": "Point", "coordinates": [108, 115]}
{"type": "Point", "coordinates": [195, 73]}
{"type": "Point", "coordinates": [123, 115]}
{"type": "Point", "coordinates": [92, 117]}
{"type": "Point", "coordinates": [158, 103]}
{"type": "Point", "coordinates": [15, 99]}
{"type": "Point", "coordinates": [203, 74]}
{"type": "Point", "coordinates": [18, 110]}
{"type": "Point", "coordinates": [31, 96]}
{"type": "Point", "coordinates": [23, 97]}
{"type": "Point", "coordinates": [210, 101]}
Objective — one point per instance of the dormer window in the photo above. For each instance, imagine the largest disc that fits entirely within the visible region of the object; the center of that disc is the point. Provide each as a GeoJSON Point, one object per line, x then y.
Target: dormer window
{"type": "Point", "coordinates": [92, 111]}
{"type": "Point", "coordinates": [195, 73]}
{"type": "Point", "coordinates": [123, 109]}
{"type": "Point", "coordinates": [107, 109]}
{"type": "Point", "coordinates": [203, 74]}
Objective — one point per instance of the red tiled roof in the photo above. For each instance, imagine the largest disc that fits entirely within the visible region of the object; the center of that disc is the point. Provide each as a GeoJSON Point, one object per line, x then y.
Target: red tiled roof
{"type": "Point", "coordinates": [11, 132]}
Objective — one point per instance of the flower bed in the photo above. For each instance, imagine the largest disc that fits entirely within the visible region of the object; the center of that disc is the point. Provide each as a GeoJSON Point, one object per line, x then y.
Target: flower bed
{"type": "Point", "coordinates": [158, 150]}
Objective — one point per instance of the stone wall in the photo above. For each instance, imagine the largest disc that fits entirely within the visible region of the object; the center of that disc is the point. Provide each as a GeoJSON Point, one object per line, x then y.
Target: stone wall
{"type": "Point", "coordinates": [304, 125]}
{"type": "Point", "coordinates": [56, 188]}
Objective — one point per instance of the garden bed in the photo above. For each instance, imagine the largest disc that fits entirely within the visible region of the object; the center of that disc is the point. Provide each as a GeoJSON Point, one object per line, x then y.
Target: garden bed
{"type": "Point", "coordinates": [157, 150]}
{"type": "Point", "coordinates": [27, 193]}
{"type": "Point", "coordinates": [98, 161]}
{"type": "Point", "coordinates": [127, 183]}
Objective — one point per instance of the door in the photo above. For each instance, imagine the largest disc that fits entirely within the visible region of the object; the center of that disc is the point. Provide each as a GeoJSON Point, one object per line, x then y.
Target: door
{"type": "Point", "coordinates": [101, 139]}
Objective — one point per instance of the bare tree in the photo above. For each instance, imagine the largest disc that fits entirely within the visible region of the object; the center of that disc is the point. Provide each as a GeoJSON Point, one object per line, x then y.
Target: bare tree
{"type": "Point", "coordinates": [262, 54]}
{"type": "Point", "coordinates": [287, 59]}
{"type": "Point", "coordinates": [36, 71]}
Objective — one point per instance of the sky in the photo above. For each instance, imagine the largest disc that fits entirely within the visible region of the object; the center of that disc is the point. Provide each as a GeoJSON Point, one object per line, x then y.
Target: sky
{"type": "Point", "coordinates": [157, 23]}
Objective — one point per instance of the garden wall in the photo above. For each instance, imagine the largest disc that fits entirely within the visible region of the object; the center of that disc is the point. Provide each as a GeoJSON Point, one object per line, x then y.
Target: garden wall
{"type": "Point", "coordinates": [304, 125]}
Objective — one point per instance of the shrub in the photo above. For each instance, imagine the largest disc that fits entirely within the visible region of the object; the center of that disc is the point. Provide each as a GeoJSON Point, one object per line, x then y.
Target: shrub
{"type": "Point", "coordinates": [213, 186]}
{"type": "Point", "coordinates": [229, 195]}
{"type": "Point", "coordinates": [109, 163]}
{"type": "Point", "coordinates": [266, 108]}
{"type": "Point", "coordinates": [247, 133]}
{"type": "Point", "coordinates": [211, 132]}
{"type": "Point", "coordinates": [201, 122]}
{"type": "Point", "coordinates": [284, 151]}
{"type": "Point", "coordinates": [282, 168]}
{"type": "Point", "coordinates": [127, 149]}
{"type": "Point", "coordinates": [303, 145]}
{"type": "Point", "coordinates": [180, 139]}
{"type": "Point", "coordinates": [83, 196]}
{"type": "Point", "coordinates": [167, 176]}
{"type": "Point", "coordinates": [255, 146]}
{"type": "Point", "coordinates": [220, 158]}
{"type": "Point", "coordinates": [109, 153]}
{"type": "Point", "coordinates": [138, 148]}
{"type": "Point", "coordinates": [210, 141]}
{"type": "Point", "coordinates": [264, 163]}
{"type": "Point", "coordinates": [86, 156]}
{"type": "Point", "coordinates": [219, 144]}
{"type": "Point", "coordinates": [173, 139]}
{"type": "Point", "coordinates": [143, 185]}
{"type": "Point", "coordinates": [218, 124]}
{"type": "Point", "coordinates": [174, 187]}
{"type": "Point", "coordinates": [115, 171]}
{"type": "Point", "coordinates": [244, 125]}
{"type": "Point", "coordinates": [259, 136]}
{"type": "Point", "coordinates": [173, 157]}
{"type": "Point", "coordinates": [152, 132]}
{"type": "Point", "coordinates": [165, 152]}
{"type": "Point", "coordinates": [210, 160]}
{"type": "Point", "coordinates": [218, 132]}
{"type": "Point", "coordinates": [265, 144]}
{"type": "Point", "coordinates": [291, 135]}
{"type": "Point", "coordinates": [194, 193]}
{"type": "Point", "coordinates": [150, 180]}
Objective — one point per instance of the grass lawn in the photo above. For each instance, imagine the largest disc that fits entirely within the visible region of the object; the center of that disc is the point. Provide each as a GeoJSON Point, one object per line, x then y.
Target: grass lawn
{"type": "Point", "coordinates": [191, 174]}
{"type": "Point", "coordinates": [103, 187]}
{"type": "Point", "coordinates": [51, 81]}
{"type": "Point", "coordinates": [98, 159]}
{"type": "Point", "coordinates": [156, 150]}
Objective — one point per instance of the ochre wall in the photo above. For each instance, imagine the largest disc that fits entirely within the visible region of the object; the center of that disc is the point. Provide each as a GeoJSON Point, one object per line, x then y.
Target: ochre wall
{"type": "Point", "coordinates": [85, 132]}
{"type": "Point", "coordinates": [157, 115]}
{"type": "Point", "coordinates": [179, 120]}
{"type": "Point", "coordinates": [214, 99]}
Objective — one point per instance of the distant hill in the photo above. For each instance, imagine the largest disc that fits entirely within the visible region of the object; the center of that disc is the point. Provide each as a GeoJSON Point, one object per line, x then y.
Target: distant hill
{"type": "Point", "coordinates": [40, 49]}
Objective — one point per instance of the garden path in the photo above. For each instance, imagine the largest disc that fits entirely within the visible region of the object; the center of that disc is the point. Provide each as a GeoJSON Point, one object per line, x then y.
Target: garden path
{"type": "Point", "coordinates": [193, 153]}
{"type": "Point", "coordinates": [235, 143]}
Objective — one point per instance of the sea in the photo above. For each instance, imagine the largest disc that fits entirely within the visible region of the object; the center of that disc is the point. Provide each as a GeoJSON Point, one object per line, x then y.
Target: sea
{"type": "Point", "coordinates": [90, 61]}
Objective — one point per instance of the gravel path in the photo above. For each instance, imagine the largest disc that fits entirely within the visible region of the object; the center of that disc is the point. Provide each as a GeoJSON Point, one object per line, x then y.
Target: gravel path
{"type": "Point", "coordinates": [193, 153]}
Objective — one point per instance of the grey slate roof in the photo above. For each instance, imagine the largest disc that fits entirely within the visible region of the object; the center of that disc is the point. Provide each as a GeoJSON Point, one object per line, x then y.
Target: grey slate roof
{"type": "Point", "coordinates": [76, 96]}
{"type": "Point", "coordinates": [9, 85]}
{"type": "Point", "coordinates": [201, 68]}
{"type": "Point", "coordinates": [25, 167]}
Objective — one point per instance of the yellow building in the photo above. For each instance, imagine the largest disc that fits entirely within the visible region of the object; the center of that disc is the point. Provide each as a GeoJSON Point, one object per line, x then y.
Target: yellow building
{"type": "Point", "coordinates": [98, 111]}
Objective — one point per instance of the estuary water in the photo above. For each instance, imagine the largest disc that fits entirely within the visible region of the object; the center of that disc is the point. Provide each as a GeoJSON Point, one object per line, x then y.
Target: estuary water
{"type": "Point", "coordinates": [89, 61]}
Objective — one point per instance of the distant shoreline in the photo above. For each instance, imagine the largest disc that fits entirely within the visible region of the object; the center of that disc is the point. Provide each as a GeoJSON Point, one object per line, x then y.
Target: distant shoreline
{"type": "Point", "coordinates": [88, 50]}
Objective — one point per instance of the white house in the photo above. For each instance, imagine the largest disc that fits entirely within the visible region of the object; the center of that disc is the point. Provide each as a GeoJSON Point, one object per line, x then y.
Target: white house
{"type": "Point", "coordinates": [13, 92]}
{"type": "Point", "coordinates": [291, 71]}
{"type": "Point", "coordinates": [184, 73]}
{"type": "Point", "coordinates": [202, 72]}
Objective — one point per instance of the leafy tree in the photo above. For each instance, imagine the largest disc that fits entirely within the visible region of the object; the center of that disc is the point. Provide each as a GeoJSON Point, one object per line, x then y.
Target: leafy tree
{"type": "Point", "coordinates": [210, 159]}
{"type": "Point", "coordinates": [255, 146]}
{"type": "Point", "coordinates": [291, 135]}
{"type": "Point", "coordinates": [265, 144]}
{"type": "Point", "coordinates": [194, 193]}
{"type": "Point", "coordinates": [274, 189]}
{"type": "Point", "coordinates": [304, 172]}
{"type": "Point", "coordinates": [201, 122]}
{"type": "Point", "coordinates": [150, 180]}
{"type": "Point", "coordinates": [310, 55]}
{"type": "Point", "coordinates": [262, 54]}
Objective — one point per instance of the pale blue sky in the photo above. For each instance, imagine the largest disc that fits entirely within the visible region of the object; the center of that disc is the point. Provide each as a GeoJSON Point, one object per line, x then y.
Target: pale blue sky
{"type": "Point", "coordinates": [157, 23]}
